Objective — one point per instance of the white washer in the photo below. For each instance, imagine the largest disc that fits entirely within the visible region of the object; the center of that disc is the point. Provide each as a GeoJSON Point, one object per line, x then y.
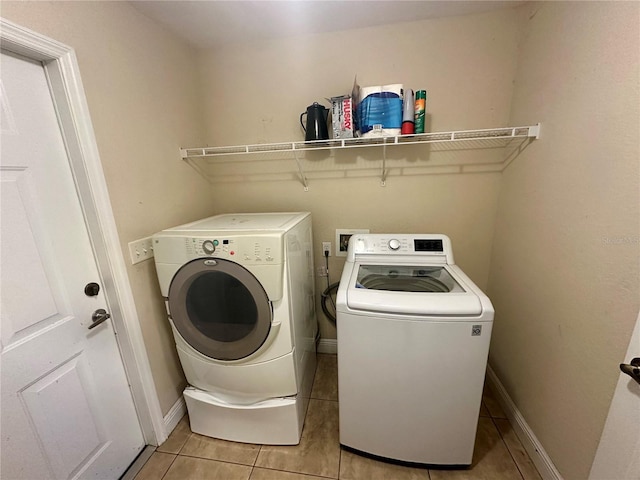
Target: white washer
{"type": "Point", "coordinates": [413, 339]}
{"type": "Point", "coordinates": [240, 296]}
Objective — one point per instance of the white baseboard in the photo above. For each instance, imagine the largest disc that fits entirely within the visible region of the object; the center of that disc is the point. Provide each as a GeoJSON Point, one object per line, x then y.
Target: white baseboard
{"type": "Point", "coordinates": [328, 345]}
{"type": "Point", "coordinates": [175, 414]}
{"type": "Point", "coordinates": [529, 441]}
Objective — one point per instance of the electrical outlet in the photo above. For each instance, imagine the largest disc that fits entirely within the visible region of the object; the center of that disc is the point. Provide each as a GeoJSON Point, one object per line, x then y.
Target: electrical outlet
{"type": "Point", "coordinates": [140, 250]}
{"type": "Point", "coordinates": [326, 247]}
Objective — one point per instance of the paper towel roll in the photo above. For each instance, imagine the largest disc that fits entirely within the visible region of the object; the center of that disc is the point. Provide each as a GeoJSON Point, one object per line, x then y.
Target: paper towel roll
{"type": "Point", "coordinates": [396, 88]}
{"type": "Point", "coordinates": [380, 110]}
{"type": "Point", "coordinates": [366, 91]}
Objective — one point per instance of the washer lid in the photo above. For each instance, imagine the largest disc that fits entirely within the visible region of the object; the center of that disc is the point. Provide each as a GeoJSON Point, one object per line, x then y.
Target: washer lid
{"type": "Point", "coordinates": [407, 278]}
{"type": "Point", "coordinates": [411, 289]}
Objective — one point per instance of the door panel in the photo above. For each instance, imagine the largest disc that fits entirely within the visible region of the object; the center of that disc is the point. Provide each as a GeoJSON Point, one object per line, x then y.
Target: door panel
{"type": "Point", "coordinates": [58, 404]}
{"type": "Point", "coordinates": [30, 300]}
{"type": "Point", "coordinates": [67, 411]}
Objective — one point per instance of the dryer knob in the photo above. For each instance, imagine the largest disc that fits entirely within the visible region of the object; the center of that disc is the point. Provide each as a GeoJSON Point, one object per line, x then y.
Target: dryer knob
{"type": "Point", "coordinates": [394, 244]}
{"type": "Point", "coordinates": [208, 246]}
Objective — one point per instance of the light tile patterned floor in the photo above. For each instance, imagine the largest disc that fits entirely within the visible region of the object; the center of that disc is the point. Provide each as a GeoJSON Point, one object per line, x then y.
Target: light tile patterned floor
{"type": "Point", "coordinates": [185, 455]}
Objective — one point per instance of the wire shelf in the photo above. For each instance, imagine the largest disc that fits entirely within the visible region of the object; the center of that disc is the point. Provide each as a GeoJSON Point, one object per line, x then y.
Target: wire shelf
{"type": "Point", "coordinates": [468, 139]}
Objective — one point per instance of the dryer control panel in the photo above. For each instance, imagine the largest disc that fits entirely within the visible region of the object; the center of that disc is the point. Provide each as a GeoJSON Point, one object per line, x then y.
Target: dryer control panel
{"type": "Point", "coordinates": [250, 250]}
{"type": "Point", "coordinates": [244, 249]}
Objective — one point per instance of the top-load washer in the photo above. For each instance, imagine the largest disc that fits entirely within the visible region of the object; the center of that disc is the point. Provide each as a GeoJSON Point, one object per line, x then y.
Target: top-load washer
{"type": "Point", "coordinates": [413, 339]}
{"type": "Point", "coordinates": [240, 296]}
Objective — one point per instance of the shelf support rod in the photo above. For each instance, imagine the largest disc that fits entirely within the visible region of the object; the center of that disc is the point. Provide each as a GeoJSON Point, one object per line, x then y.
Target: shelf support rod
{"type": "Point", "coordinates": [383, 174]}
{"type": "Point", "coordinates": [302, 176]}
{"type": "Point", "coordinates": [198, 169]}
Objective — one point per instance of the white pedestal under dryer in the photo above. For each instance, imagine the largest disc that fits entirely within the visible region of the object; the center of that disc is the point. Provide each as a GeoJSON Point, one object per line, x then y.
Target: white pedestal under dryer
{"type": "Point", "coordinates": [240, 295]}
{"type": "Point", "coordinates": [413, 340]}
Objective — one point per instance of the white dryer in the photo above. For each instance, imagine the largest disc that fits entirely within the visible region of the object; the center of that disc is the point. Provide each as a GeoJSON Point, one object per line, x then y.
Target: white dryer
{"type": "Point", "coordinates": [413, 339]}
{"type": "Point", "coordinates": [240, 296]}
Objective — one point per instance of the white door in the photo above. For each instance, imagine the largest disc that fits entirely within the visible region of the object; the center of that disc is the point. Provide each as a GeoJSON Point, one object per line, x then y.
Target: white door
{"type": "Point", "coordinates": [67, 411]}
{"type": "Point", "coordinates": [618, 455]}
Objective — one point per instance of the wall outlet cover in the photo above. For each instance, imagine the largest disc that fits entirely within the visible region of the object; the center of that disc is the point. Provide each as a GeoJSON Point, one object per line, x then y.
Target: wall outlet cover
{"type": "Point", "coordinates": [342, 239]}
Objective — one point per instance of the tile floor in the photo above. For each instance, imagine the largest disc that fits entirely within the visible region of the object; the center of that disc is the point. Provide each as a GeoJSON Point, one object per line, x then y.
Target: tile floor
{"type": "Point", "coordinates": [185, 455]}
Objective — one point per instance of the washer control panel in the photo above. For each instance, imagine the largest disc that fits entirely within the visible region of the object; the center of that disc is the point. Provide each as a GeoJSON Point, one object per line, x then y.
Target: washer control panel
{"type": "Point", "coordinates": [381, 244]}
{"type": "Point", "coordinates": [399, 244]}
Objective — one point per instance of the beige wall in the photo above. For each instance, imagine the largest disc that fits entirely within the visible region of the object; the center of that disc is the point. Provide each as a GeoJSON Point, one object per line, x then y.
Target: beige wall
{"type": "Point", "coordinates": [255, 94]}
{"type": "Point", "coordinates": [564, 262]}
{"type": "Point", "coordinates": [140, 84]}
{"type": "Point", "coordinates": [564, 270]}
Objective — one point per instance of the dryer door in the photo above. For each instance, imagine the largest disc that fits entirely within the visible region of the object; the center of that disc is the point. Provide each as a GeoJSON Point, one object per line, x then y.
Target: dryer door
{"type": "Point", "coordinates": [220, 308]}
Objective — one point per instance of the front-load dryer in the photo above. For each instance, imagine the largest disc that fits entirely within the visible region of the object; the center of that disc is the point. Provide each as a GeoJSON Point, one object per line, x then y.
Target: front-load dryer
{"type": "Point", "coordinates": [240, 296]}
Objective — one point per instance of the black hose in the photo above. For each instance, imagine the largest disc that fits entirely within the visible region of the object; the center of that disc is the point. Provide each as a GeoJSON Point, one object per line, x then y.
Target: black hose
{"type": "Point", "coordinates": [326, 295]}
{"type": "Point", "coordinates": [333, 288]}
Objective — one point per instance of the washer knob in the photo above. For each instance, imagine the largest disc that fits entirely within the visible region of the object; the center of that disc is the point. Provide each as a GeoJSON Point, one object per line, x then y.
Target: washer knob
{"type": "Point", "coordinates": [208, 246]}
{"type": "Point", "coordinates": [394, 244]}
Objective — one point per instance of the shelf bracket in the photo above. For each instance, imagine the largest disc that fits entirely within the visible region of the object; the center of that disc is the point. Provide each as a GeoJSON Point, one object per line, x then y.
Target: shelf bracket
{"type": "Point", "coordinates": [534, 131]}
{"type": "Point", "coordinates": [383, 173]}
{"type": "Point", "coordinates": [302, 177]}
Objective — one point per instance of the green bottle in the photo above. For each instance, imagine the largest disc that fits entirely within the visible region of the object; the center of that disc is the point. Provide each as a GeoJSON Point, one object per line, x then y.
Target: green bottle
{"type": "Point", "coordinates": [420, 105]}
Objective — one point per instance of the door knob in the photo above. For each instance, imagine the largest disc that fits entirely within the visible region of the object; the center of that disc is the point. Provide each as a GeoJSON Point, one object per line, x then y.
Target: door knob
{"type": "Point", "coordinates": [98, 317]}
{"type": "Point", "coordinates": [632, 369]}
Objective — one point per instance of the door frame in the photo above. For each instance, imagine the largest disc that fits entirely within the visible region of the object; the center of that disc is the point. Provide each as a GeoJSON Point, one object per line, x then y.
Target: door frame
{"type": "Point", "coordinates": [63, 74]}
